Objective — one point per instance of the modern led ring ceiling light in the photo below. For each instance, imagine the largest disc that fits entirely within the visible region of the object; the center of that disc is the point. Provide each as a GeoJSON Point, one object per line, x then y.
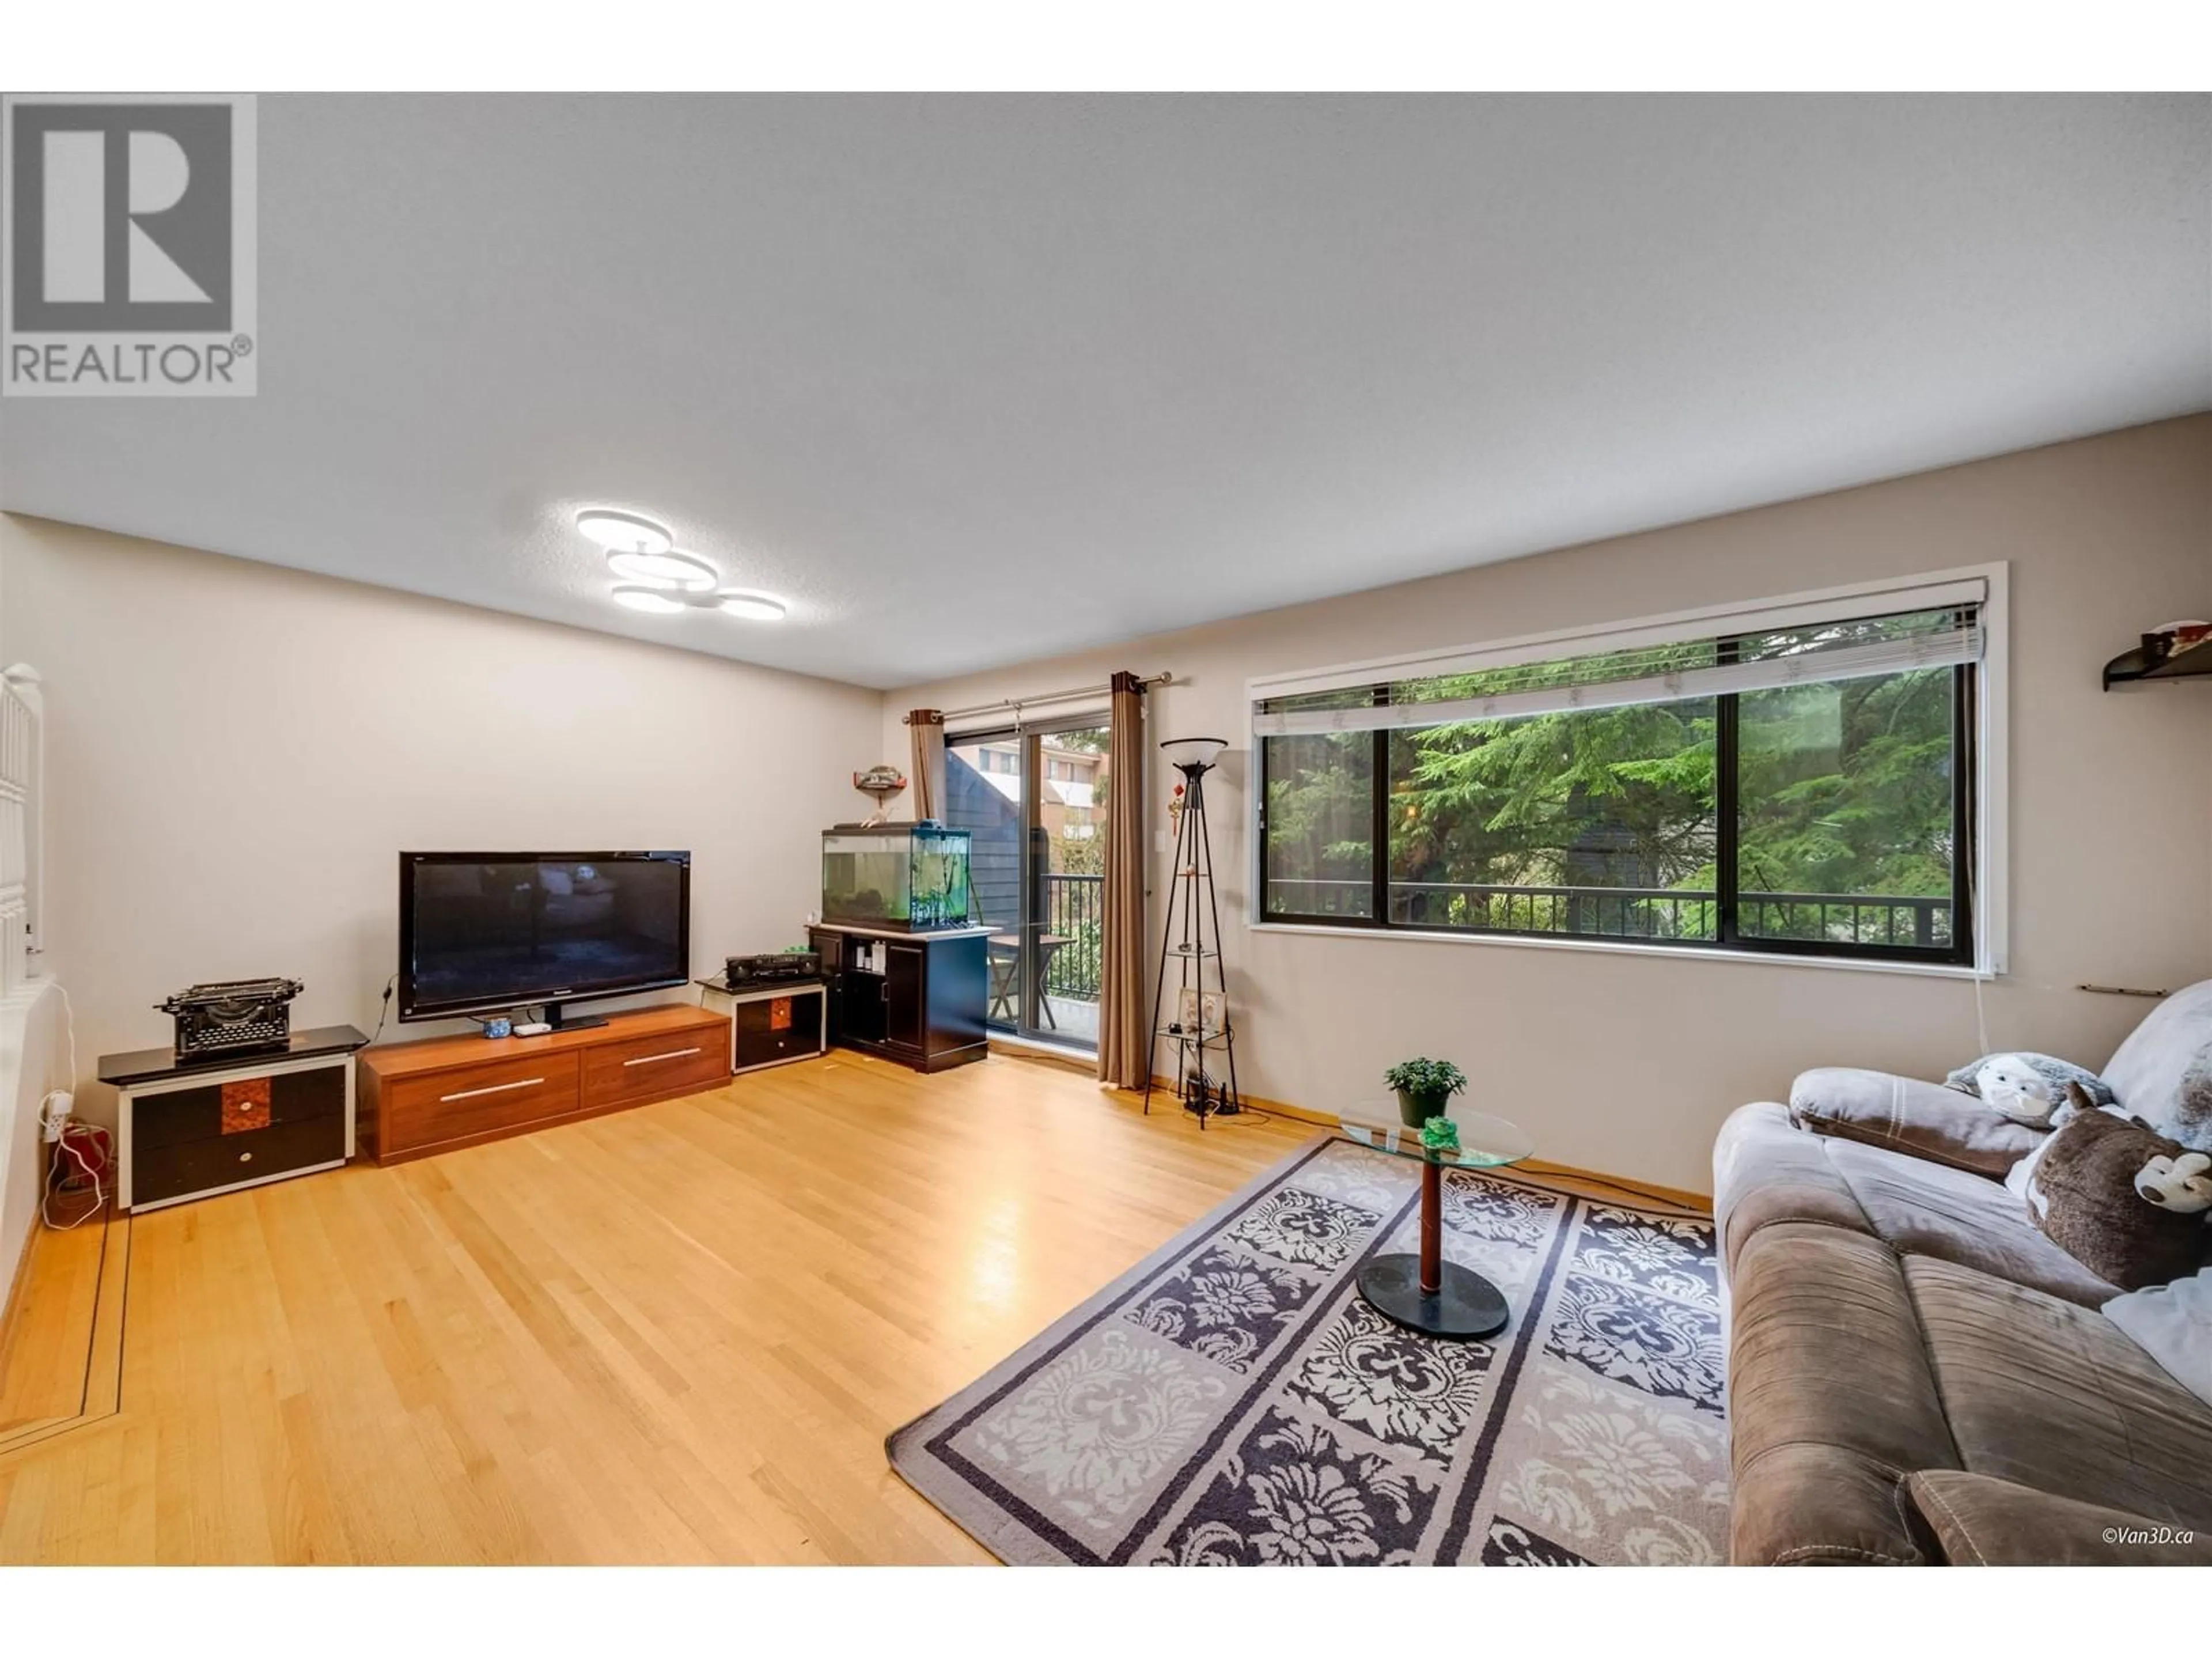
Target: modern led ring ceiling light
{"type": "Point", "coordinates": [660, 579]}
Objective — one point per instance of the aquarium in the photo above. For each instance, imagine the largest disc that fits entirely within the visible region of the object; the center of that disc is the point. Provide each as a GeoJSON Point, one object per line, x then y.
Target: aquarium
{"type": "Point", "coordinates": [910, 878]}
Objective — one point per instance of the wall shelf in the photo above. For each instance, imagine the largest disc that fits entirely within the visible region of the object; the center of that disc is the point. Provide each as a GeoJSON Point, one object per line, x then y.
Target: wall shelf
{"type": "Point", "coordinates": [2130, 666]}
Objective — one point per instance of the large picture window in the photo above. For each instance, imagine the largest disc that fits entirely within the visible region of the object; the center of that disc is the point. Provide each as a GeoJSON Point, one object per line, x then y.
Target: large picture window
{"type": "Point", "coordinates": [1805, 790]}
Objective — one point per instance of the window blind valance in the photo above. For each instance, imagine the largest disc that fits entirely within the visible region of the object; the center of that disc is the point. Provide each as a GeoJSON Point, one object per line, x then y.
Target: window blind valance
{"type": "Point", "coordinates": [1671, 673]}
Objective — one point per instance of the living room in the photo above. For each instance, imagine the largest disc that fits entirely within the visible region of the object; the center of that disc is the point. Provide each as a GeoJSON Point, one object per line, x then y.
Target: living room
{"type": "Point", "coordinates": [1130, 829]}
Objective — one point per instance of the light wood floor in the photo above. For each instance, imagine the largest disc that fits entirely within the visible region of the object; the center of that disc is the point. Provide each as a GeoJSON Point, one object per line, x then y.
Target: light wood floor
{"type": "Point", "coordinates": [49, 1374]}
{"type": "Point", "coordinates": [678, 1334]}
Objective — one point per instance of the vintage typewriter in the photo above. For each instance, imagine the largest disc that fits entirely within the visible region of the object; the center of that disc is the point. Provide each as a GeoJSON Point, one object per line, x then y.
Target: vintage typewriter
{"type": "Point", "coordinates": [230, 1017]}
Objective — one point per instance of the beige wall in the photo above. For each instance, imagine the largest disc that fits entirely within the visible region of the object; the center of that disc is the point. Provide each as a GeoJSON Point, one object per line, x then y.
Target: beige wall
{"type": "Point", "coordinates": [1628, 1063]}
{"type": "Point", "coordinates": [236, 754]}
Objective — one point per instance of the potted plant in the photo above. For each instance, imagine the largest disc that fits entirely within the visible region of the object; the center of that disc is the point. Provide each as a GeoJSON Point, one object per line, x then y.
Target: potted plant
{"type": "Point", "coordinates": [1424, 1088]}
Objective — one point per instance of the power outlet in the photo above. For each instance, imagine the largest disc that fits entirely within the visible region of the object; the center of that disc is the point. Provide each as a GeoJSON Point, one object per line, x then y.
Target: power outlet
{"type": "Point", "coordinates": [54, 1113]}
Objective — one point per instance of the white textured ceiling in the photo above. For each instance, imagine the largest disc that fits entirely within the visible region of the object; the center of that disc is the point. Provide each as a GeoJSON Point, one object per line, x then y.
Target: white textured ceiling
{"type": "Point", "coordinates": [975, 380]}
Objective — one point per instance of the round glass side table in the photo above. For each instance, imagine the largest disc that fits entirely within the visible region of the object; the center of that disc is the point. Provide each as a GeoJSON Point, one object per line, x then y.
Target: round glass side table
{"type": "Point", "coordinates": [1425, 1293]}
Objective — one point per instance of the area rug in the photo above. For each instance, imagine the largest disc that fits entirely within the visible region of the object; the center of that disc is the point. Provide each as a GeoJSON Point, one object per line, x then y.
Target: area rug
{"type": "Point", "coordinates": [1233, 1399]}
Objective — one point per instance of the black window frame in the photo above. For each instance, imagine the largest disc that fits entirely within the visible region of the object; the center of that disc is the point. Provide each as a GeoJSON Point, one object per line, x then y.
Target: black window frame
{"type": "Point", "coordinates": [1728, 937]}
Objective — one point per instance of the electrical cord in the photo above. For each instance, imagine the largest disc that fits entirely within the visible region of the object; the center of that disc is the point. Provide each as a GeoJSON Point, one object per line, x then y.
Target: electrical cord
{"type": "Point", "coordinates": [68, 1023]}
{"type": "Point", "coordinates": [1240, 1114]}
{"type": "Point", "coordinates": [1981, 945]}
{"type": "Point", "coordinates": [67, 1091]}
{"type": "Point", "coordinates": [86, 1168]}
{"type": "Point", "coordinates": [383, 1014]}
{"type": "Point", "coordinates": [58, 1128]}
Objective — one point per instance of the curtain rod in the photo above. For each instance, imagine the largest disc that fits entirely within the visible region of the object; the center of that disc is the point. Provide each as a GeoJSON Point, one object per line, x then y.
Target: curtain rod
{"type": "Point", "coordinates": [1015, 705]}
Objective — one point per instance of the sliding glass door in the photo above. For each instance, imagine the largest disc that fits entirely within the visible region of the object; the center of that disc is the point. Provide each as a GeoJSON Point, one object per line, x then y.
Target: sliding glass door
{"type": "Point", "coordinates": [1035, 802]}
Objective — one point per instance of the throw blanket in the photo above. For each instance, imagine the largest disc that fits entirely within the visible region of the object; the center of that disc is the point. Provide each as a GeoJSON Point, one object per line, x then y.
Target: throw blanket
{"type": "Point", "coordinates": [2173, 1323]}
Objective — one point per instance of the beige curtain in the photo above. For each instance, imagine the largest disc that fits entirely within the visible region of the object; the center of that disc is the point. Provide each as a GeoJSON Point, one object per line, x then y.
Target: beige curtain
{"type": "Point", "coordinates": [926, 727]}
{"type": "Point", "coordinates": [1125, 1048]}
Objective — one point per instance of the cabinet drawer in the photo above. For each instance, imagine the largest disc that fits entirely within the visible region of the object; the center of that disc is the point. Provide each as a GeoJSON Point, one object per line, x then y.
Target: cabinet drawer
{"type": "Point", "coordinates": [159, 1173]}
{"type": "Point", "coordinates": [175, 1116]}
{"type": "Point", "coordinates": [761, 1042]}
{"type": "Point", "coordinates": [767, 1048]}
{"type": "Point", "coordinates": [664, 1063]}
{"type": "Point", "coordinates": [475, 1100]}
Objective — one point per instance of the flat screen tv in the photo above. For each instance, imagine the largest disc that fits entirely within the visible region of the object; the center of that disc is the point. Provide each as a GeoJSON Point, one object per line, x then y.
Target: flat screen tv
{"type": "Point", "coordinates": [484, 933]}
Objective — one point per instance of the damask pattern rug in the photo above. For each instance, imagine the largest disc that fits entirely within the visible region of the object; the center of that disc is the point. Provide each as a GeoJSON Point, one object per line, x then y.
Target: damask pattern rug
{"type": "Point", "coordinates": [1233, 1399]}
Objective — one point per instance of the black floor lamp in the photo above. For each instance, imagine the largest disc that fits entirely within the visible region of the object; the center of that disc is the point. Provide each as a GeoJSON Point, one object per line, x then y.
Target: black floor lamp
{"type": "Point", "coordinates": [1190, 938]}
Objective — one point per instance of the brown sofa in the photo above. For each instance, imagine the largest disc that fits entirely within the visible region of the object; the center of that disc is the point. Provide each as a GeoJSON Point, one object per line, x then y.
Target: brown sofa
{"type": "Point", "coordinates": [1916, 1374]}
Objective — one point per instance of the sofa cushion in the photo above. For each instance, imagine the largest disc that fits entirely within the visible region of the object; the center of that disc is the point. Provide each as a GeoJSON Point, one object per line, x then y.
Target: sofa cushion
{"type": "Point", "coordinates": [1831, 1401]}
{"type": "Point", "coordinates": [1981, 1522]}
{"type": "Point", "coordinates": [1945, 1126]}
{"type": "Point", "coordinates": [2082, 1194]}
{"type": "Point", "coordinates": [2163, 1073]}
{"type": "Point", "coordinates": [1767, 1170]}
{"type": "Point", "coordinates": [2050, 1394]}
{"type": "Point", "coordinates": [1919, 1208]}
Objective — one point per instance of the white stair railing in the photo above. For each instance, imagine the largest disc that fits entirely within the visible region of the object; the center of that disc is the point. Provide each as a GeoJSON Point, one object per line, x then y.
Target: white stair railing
{"type": "Point", "coordinates": [33, 1010]}
{"type": "Point", "coordinates": [23, 765]}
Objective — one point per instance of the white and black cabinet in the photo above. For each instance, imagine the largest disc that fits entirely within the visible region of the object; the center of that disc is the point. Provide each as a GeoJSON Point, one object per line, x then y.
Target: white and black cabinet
{"type": "Point", "coordinates": [222, 1122]}
{"type": "Point", "coordinates": [772, 1023]}
{"type": "Point", "coordinates": [918, 999]}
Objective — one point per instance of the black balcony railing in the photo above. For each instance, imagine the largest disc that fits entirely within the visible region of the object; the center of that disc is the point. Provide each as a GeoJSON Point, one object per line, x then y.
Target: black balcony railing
{"type": "Point", "coordinates": [1075, 910]}
{"type": "Point", "coordinates": [1906, 922]}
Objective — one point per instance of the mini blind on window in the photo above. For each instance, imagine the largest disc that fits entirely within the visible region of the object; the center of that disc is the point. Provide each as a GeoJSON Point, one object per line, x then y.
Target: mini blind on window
{"type": "Point", "coordinates": [1671, 673]}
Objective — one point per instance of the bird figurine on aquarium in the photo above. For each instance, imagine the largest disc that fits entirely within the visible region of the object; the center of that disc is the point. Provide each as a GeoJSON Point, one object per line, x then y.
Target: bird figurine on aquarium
{"type": "Point", "coordinates": [880, 784]}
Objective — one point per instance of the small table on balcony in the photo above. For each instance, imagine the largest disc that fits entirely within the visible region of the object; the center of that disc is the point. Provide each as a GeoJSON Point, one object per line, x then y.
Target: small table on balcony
{"type": "Point", "coordinates": [1006, 972]}
{"type": "Point", "coordinates": [1425, 1292]}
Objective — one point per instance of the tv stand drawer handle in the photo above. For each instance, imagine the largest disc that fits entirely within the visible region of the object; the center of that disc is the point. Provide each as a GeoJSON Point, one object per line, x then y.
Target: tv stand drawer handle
{"type": "Point", "coordinates": [673, 1053]}
{"type": "Point", "coordinates": [492, 1089]}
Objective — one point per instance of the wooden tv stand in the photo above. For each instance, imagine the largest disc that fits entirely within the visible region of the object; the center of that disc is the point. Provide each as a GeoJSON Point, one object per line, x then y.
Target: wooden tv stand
{"type": "Point", "coordinates": [418, 1098]}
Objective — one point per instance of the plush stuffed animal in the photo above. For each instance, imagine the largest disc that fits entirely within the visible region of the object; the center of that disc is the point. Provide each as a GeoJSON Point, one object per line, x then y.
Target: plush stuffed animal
{"type": "Point", "coordinates": [2084, 1192]}
{"type": "Point", "coordinates": [2028, 1088]}
{"type": "Point", "coordinates": [2177, 1183]}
